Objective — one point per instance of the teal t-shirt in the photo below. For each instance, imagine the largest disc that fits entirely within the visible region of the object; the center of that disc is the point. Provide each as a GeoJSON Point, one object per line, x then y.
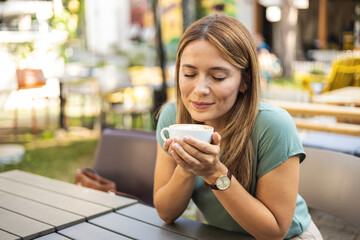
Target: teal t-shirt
{"type": "Point", "coordinates": [275, 139]}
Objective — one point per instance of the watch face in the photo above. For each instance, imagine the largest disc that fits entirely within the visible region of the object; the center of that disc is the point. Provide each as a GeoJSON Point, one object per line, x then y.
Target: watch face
{"type": "Point", "coordinates": [223, 182]}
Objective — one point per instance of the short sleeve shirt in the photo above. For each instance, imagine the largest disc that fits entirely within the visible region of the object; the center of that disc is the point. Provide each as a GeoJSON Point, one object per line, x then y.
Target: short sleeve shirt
{"type": "Point", "coordinates": [275, 139]}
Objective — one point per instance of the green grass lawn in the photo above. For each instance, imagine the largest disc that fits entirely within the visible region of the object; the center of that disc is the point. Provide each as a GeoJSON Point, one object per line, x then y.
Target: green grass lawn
{"type": "Point", "coordinates": [57, 160]}
{"type": "Point", "coordinates": [60, 159]}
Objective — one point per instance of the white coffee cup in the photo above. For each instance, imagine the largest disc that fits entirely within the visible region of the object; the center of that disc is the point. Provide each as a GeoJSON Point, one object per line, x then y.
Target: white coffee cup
{"type": "Point", "coordinates": [198, 131]}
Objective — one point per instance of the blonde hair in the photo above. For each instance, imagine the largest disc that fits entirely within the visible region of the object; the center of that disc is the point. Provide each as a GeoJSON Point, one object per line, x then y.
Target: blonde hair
{"type": "Point", "coordinates": [236, 45]}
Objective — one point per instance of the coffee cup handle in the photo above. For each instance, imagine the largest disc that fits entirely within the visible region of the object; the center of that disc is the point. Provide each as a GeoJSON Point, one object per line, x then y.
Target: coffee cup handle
{"type": "Point", "coordinates": [162, 133]}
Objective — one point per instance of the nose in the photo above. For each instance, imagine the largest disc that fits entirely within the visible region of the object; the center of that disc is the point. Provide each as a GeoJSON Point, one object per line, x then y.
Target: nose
{"type": "Point", "coordinates": [201, 87]}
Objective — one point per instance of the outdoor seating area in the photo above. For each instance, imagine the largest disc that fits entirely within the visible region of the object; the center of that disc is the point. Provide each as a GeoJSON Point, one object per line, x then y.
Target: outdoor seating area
{"type": "Point", "coordinates": [83, 83]}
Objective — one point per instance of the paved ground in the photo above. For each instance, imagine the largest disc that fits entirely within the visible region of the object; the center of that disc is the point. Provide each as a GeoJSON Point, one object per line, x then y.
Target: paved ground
{"type": "Point", "coordinates": [333, 228]}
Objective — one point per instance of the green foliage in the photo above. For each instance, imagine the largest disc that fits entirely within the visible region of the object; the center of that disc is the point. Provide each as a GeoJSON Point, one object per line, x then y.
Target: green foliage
{"type": "Point", "coordinates": [171, 49]}
{"type": "Point", "coordinates": [101, 64]}
{"type": "Point", "coordinates": [200, 11]}
{"type": "Point", "coordinates": [139, 54]}
{"type": "Point", "coordinates": [85, 121]}
{"type": "Point", "coordinates": [20, 50]}
{"type": "Point", "coordinates": [317, 71]}
{"type": "Point", "coordinates": [46, 134]}
{"type": "Point", "coordinates": [286, 82]}
{"type": "Point", "coordinates": [60, 22]}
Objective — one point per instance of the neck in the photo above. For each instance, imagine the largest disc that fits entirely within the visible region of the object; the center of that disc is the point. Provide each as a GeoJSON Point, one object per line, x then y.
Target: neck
{"type": "Point", "coordinates": [218, 124]}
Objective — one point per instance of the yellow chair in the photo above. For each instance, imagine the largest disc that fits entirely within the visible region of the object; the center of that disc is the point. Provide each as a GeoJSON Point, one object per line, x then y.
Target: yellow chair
{"type": "Point", "coordinates": [311, 80]}
{"type": "Point", "coordinates": [345, 72]}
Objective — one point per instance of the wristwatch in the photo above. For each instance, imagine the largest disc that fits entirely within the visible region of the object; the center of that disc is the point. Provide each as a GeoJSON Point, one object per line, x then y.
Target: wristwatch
{"type": "Point", "coordinates": [223, 182]}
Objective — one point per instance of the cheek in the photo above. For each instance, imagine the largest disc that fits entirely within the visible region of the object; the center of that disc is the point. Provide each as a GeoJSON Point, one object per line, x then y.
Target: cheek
{"type": "Point", "coordinates": [184, 87]}
{"type": "Point", "coordinates": [228, 93]}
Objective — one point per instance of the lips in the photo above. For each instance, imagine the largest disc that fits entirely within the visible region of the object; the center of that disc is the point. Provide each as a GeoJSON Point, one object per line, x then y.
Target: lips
{"type": "Point", "coordinates": [201, 105]}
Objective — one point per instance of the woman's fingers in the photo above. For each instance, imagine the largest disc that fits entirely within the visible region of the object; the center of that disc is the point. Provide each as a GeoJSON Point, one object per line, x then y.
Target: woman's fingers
{"type": "Point", "coordinates": [184, 155]}
{"type": "Point", "coordinates": [195, 152]}
{"type": "Point", "coordinates": [179, 160]}
{"type": "Point", "coordinates": [194, 146]}
{"type": "Point", "coordinates": [215, 138]}
{"type": "Point", "coordinates": [184, 165]}
{"type": "Point", "coordinates": [167, 144]}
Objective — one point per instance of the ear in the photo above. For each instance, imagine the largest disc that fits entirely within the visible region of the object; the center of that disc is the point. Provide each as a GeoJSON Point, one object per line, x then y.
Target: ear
{"type": "Point", "coordinates": [243, 87]}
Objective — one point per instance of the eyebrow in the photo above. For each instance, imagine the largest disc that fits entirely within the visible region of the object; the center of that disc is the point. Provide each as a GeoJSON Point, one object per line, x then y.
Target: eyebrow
{"type": "Point", "coordinates": [189, 66]}
{"type": "Point", "coordinates": [219, 69]}
{"type": "Point", "coordinates": [211, 69]}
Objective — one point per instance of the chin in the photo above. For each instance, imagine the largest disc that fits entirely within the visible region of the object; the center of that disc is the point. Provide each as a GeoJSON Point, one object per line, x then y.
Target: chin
{"type": "Point", "coordinates": [200, 117]}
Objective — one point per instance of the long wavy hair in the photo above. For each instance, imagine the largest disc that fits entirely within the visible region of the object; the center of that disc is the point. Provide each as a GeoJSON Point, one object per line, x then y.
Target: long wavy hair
{"type": "Point", "coordinates": [236, 45]}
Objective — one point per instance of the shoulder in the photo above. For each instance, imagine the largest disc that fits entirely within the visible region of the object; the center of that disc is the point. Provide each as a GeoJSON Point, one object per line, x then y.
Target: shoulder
{"type": "Point", "coordinates": [169, 109]}
{"type": "Point", "coordinates": [167, 115]}
{"type": "Point", "coordinates": [275, 138]}
{"type": "Point", "coordinates": [166, 118]}
{"type": "Point", "coordinates": [272, 117]}
{"type": "Point", "coordinates": [275, 130]}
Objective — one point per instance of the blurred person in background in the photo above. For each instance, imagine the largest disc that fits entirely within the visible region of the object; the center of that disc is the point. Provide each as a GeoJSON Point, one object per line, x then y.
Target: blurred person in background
{"type": "Point", "coordinates": [269, 63]}
{"type": "Point", "coordinates": [218, 9]}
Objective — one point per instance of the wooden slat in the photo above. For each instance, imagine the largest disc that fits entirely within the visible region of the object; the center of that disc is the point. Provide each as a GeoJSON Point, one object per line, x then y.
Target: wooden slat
{"type": "Point", "coordinates": [87, 231]}
{"type": "Point", "coordinates": [87, 194]}
{"type": "Point", "coordinates": [67, 203]}
{"type": "Point", "coordinates": [44, 213]}
{"type": "Point", "coordinates": [343, 96]}
{"type": "Point", "coordinates": [341, 128]}
{"type": "Point", "coordinates": [314, 109]}
{"type": "Point", "coordinates": [22, 226]}
{"type": "Point", "coordinates": [52, 236]}
{"type": "Point", "coordinates": [8, 236]}
{"type": "Point", "coordinates": [182, 225]}
{"type": "Point", "coordinates": [134, 228]}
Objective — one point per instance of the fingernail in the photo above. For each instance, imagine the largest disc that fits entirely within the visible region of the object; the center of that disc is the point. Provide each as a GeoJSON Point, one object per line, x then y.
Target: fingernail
{"type": "Point", "coordinates": [176, 139]}
{"type": "Point", "coordinates": [177, 146]}
{"type": "Point", "coordinates": [187, 138]}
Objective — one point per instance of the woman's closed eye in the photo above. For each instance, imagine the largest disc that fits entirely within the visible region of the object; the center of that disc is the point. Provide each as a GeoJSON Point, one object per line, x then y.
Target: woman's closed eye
{"type": "Point", "coordinates": [218, 75]}
{"type": "Point", "coordinates": [214, 77]}
{"type": "Point", "coordinates": [218, 78]}
{"type": "Point", "coordinates": [189, 75]}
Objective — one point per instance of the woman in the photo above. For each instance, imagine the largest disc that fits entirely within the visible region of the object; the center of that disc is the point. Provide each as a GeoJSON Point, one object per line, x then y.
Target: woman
{"type": "Point", "coordinates": [255, 146]}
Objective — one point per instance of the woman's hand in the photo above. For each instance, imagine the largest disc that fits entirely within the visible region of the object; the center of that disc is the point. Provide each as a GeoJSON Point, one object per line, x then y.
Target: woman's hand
{"type": "Point", "coordinates": [167, 144]}
{"type": "Point", "coordinates": [197, 157]}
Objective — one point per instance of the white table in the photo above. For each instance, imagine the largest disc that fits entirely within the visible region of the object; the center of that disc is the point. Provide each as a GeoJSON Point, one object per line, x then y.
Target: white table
{"type": "Point", "coordinates": [33, 206]}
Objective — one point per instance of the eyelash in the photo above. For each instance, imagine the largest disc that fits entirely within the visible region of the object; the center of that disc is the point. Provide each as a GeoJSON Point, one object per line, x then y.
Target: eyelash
{"type": "Point", "coordinates": [191, 76]}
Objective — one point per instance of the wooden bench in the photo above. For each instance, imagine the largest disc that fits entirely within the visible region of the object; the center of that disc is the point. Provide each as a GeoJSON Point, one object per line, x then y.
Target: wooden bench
{"type": "Point", "coordinates": [343, 96]}
{"type": "Point", "coordinates": [340, 128]}
{"type": "Point", "coordinates": [343, 114]}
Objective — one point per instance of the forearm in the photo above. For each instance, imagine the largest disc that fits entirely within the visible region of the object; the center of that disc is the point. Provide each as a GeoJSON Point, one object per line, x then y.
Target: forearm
{"type": "Point", "coordinates": [172, 199]}
{"type": "Point", "coordinates": [250, 213]}
{"type": "Point", "coordinates": [270, 213]}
